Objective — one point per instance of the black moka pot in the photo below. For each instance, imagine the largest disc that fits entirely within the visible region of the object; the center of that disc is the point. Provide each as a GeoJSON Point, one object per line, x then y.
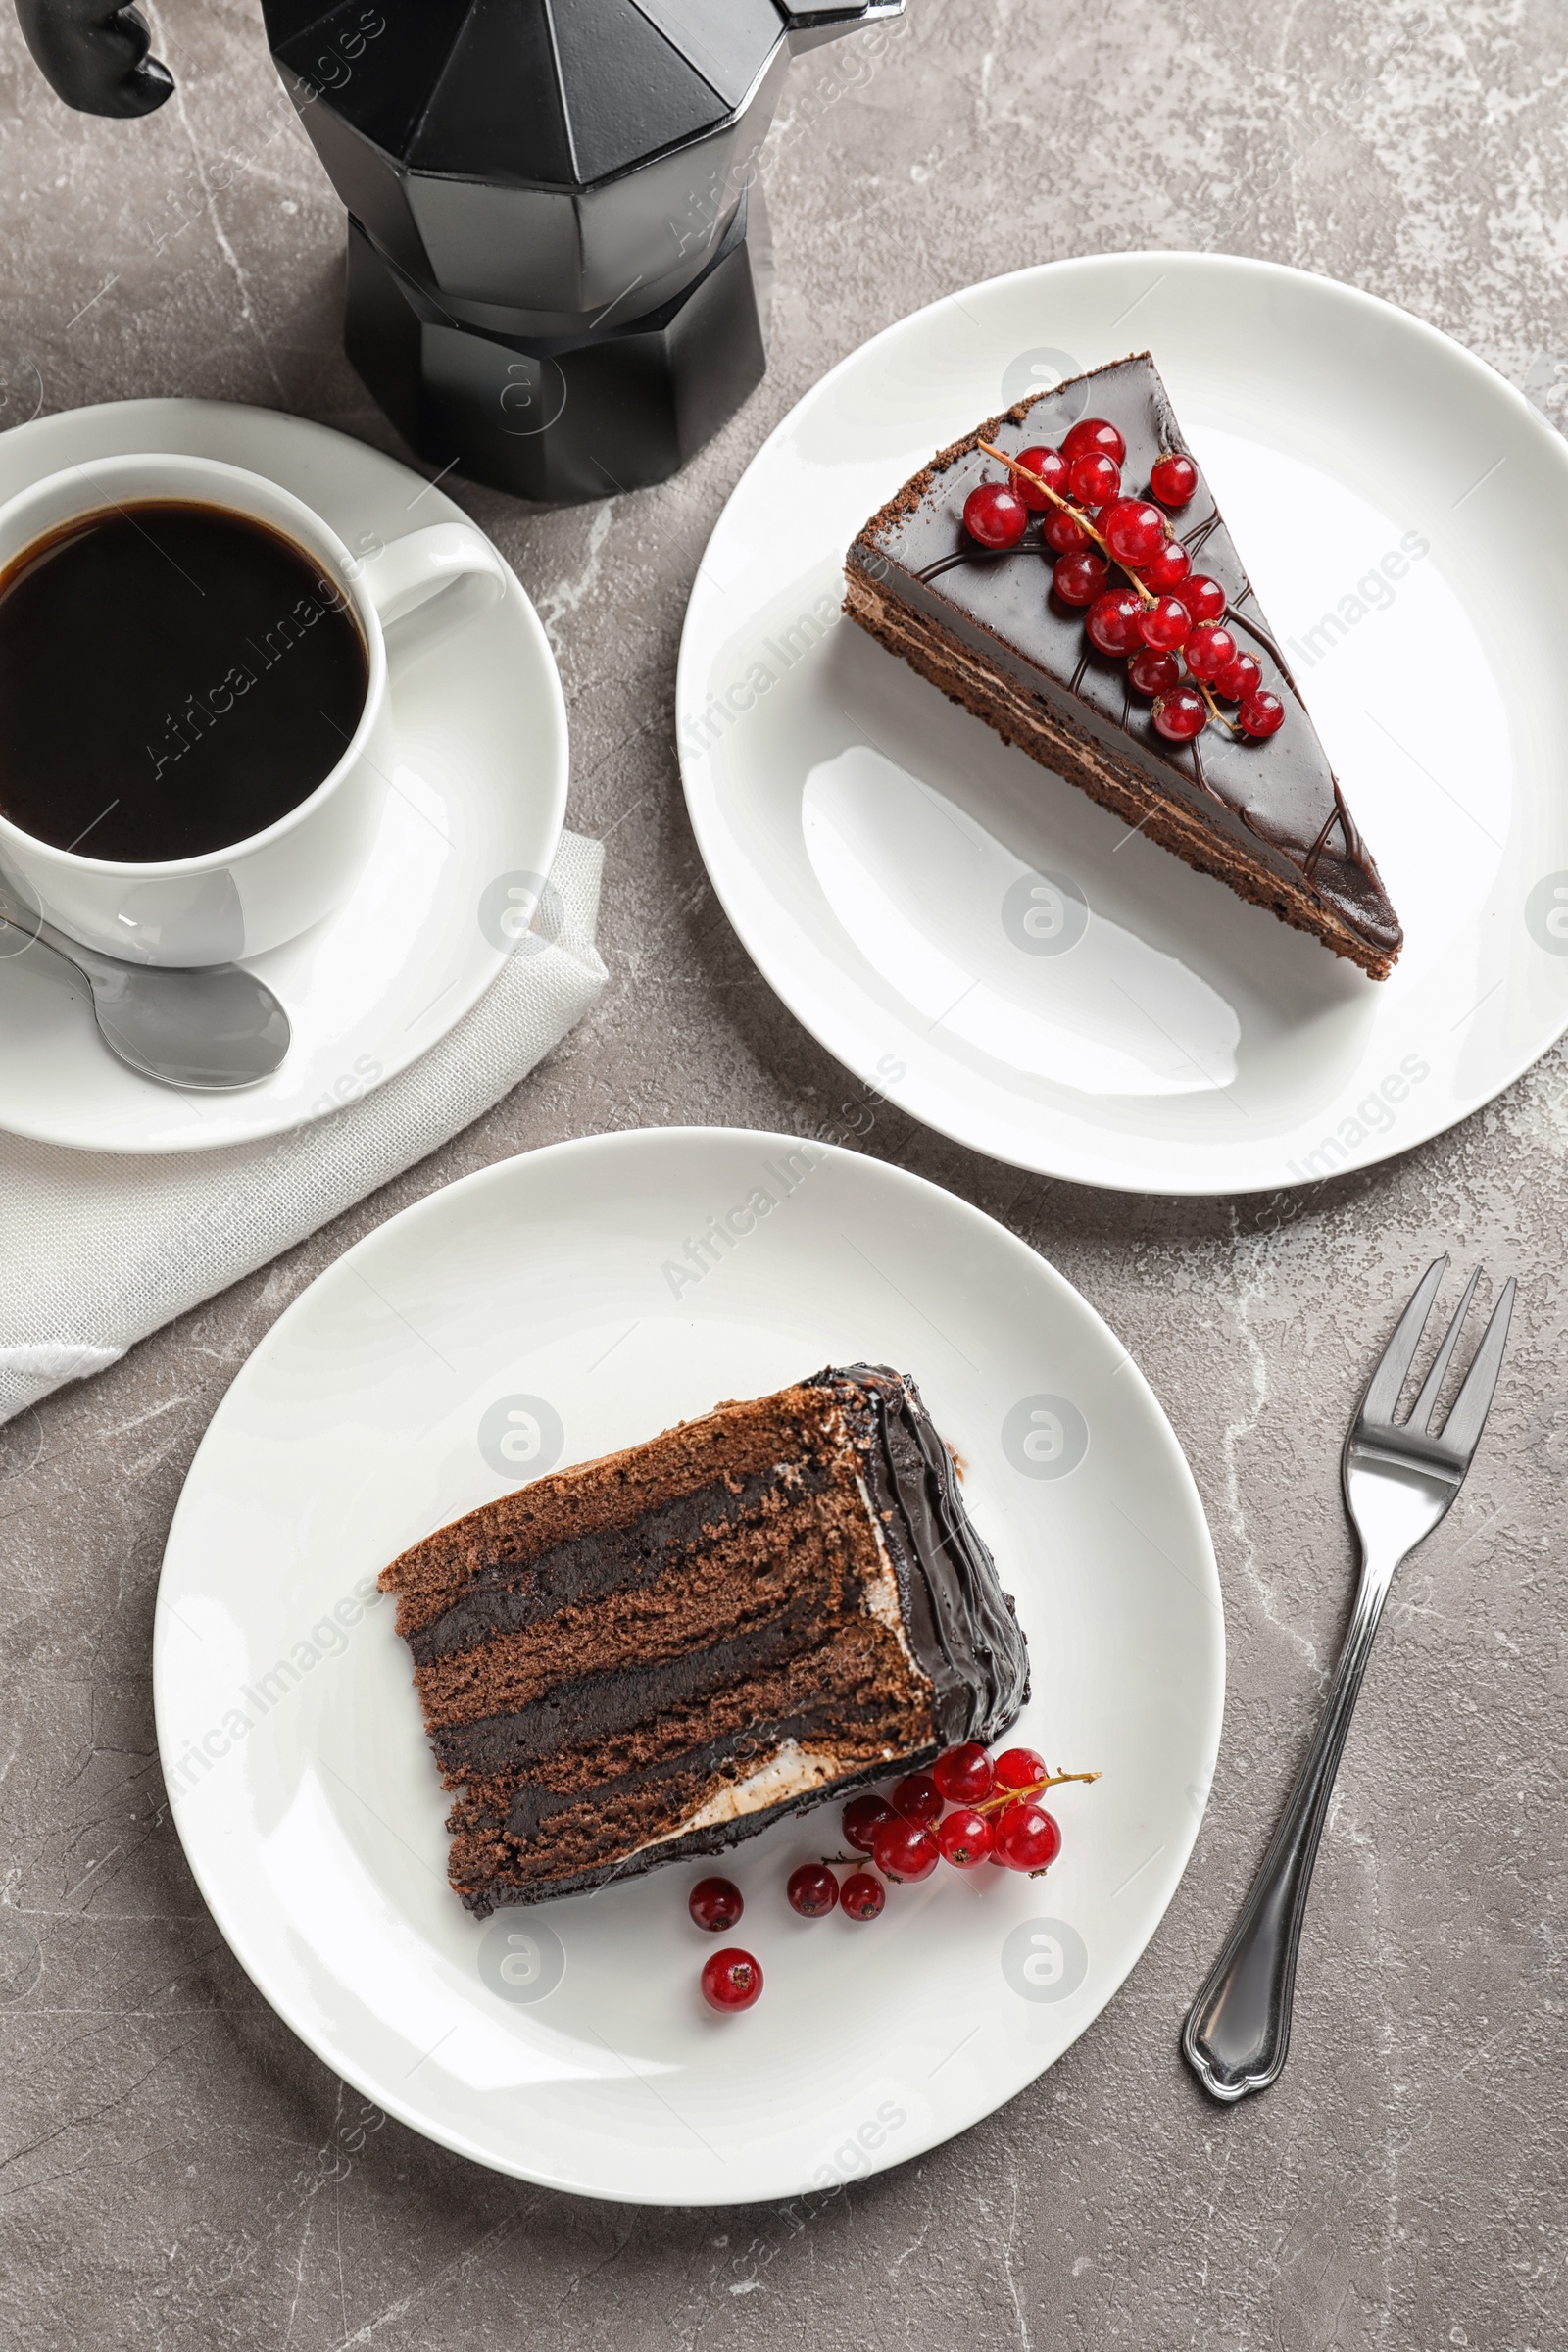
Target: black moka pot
{"type": "Point", "coordinates": [549, 280]}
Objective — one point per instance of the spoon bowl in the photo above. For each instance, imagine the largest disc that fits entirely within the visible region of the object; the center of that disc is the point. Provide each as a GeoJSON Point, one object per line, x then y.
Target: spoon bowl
{"type": "Point", "coordinates": [209, 1029]}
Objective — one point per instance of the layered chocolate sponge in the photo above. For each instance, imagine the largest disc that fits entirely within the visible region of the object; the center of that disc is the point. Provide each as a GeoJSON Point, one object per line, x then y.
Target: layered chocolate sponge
{"type": "Point", "coordinates": [654, 1655]}
{"type": "Point", "coordinates": [985, 624]}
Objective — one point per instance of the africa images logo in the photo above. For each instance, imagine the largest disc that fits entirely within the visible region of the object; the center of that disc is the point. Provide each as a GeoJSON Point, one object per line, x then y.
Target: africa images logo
{"type": "Point", "coordinates": [521, 914]}
{"type": "Point", "coordinates": [522, 1960]}
{"type": "Point", "coordinates": [1044, 915]}
{"type": "Point", "coordinates": [1042, 370]}
{"type": "Point", "coordinates": [1045, 1437]}
{"type": "Point", "coordinates": [521, 1437]}
{"type": "Point", "coordinates": [1045, 1960]}
{"type": "Point", "coordinates": [1546, 914]}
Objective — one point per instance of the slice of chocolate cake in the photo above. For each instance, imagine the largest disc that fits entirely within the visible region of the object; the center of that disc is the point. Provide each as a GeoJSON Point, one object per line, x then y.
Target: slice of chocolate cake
{"type": "Point", "coordinates": [657, 1654]}
{"type": "Point", "coordinates": [1239, 787]}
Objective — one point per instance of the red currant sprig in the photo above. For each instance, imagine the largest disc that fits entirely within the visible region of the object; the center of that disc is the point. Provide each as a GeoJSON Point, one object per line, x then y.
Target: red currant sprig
{"type": "Point", "coordinates": [969, 1809]}
{"type": "Point", "coordinates": [1021, 1774]}
{"type": "Point", "coordinates": [1114, 624]}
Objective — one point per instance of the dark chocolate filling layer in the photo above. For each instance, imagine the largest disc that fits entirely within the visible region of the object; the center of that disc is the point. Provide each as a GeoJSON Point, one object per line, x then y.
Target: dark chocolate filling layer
{"type": "Point", "coordinates": [718, 1838]}
{"type": "Point", "coordinates": [600, 1707]}
{"type": "Point", "coordinates": [534, 1806]}
{"type": "Point", "coordinates": [735, 1582]}
{"type": "Point", "coordinates": [508, 1595]}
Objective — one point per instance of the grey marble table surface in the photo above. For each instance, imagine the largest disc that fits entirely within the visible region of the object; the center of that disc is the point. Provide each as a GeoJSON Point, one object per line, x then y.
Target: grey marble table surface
{"type": "Point", "coordinates": [175, 2169]}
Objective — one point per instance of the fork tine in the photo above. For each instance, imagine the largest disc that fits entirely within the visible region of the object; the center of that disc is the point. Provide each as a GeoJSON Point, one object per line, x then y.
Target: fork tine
{"type": "Point", "coordinates": [1426, 1405]}
{"type": "Point", "coordinates": [1394, 1364]}
{"type": "Point", "coordinates": [1462, 1432]}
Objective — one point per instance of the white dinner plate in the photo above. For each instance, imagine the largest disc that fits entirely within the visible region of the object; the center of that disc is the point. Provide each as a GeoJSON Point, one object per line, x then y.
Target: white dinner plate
{"type": "Point", "coordinates": [1404, 514]}
{"type": "Point", "coordinates": [477, 800]}
{"type": "Point", "coordinates": [545, 1310]}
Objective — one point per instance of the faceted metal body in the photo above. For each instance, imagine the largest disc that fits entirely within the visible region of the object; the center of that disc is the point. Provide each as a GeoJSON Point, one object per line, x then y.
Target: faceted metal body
{"type": "Point", "coordinates": [549, 279]}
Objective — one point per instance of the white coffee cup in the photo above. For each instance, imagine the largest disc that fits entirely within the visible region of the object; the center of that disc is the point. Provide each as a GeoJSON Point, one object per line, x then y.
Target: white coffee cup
{"type": "Point", "coordinates": [253, 894]}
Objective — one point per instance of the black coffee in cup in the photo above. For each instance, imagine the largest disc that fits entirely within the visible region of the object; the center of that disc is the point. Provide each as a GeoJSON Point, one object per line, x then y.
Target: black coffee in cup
{"type": "Point", "coordinates": [174, 677]}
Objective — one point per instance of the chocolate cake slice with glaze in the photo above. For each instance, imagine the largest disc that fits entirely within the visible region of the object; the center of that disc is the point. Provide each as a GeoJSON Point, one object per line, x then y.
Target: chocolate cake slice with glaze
{"type": "Point", "coordinates": [652, 1656]}
{"type": "Point", "coordinates": [985, 624]}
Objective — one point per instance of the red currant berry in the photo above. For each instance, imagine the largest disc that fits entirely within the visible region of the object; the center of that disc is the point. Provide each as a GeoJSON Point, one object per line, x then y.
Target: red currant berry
{"type": "Point", "coordinates": [995, 516]}
{"type": "Point", "coordinates": [1064, 533]}
{"type": "Point", "coordinates": [1241, 680]}
{"type": "Point", "coordinates": [862, 1896]}
{"type": "Point", "coordinates": [965, 1839]}
{"type": "Point", "coordinates": [1204, 598]}
{"type": "Point", "coordinates": [1079, 579]}
{"type": "Point", "coordinates": [1094, 479]}
{"type": "Point", "coordinates": [1164, 625]}
{"type": "Point", "coordinates": [1134, 530]}
{"type": "Point", "coordinates": [863, 1816]}
{"type": "Point", "coordinates": [965, 1775]}
{"type": "Point", "coordinates": [1026, 1836]}
{"type": "Point", "coordinates": [1172, 479]}
{"type": "Point", "coordinates": [812, 1891]}
{"type": "Point", "coordinates": [1262, 715]}
{"type": "Point", "coordinates": [1091, 434]}
{"type": "Point", "coordinates": [1180, 715]}
{"type": "Point", "coordinates": [731, 1979]}
{"type": "Point", "coordinates": [918, 1800]}
{"type": "Point", "coordinates": [1209, 650]}
{"type": "Point", "coordinates": [1168, 569]}
{"type": "Point", "coordinates": [714, 1905]}
{"type": "Point", "coordinates": [1020, 1768]}
{"type": "Point", "coordinates": [1154, 673]}
{"type": "Point", "coordinates": [1053, 471]}
{"type": "Point", "coordinates": [1112, 621]}
{"type": "Point", "coordinates": [904, 1851]}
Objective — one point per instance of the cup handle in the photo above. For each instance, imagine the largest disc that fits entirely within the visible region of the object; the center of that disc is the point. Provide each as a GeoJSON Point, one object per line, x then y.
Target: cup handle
{"type": "Point", "coordinates": [411, 572]}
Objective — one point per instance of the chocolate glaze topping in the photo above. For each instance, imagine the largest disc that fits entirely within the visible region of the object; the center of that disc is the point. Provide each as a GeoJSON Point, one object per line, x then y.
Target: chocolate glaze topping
{"type": "Point", "coordinates": [961, 1626]}
{"type": "Point", "coordinates": [1278, 798]}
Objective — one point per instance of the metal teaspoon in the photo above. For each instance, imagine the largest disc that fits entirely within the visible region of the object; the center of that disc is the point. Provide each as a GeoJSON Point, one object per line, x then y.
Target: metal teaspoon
{"type": "Point", "coordinates": [210, 1028]}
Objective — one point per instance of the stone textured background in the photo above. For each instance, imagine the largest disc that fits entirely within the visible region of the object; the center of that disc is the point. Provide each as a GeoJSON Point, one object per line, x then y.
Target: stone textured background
{"type": "Point", "coordinates": [174, 2168]}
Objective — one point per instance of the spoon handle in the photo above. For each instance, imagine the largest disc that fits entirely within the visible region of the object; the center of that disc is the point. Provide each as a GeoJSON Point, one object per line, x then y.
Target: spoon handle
{"type": "Point", "coordinates": [35, 932]}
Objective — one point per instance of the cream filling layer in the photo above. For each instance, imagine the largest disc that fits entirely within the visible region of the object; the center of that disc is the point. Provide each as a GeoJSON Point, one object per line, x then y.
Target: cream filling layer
{"type": "Point", "coordinates": [790, 1771]}
{"type": "Point", "coordinates": [880, 1594]}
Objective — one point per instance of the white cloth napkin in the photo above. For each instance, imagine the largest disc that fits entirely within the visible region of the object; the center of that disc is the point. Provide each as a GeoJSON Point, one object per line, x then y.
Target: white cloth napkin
{"type": "Point", "coordinates": [98, 1249]}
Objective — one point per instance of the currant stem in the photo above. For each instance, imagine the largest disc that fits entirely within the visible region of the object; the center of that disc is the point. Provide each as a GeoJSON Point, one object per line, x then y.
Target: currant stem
{"type": "Point", "coordinates": [1010, 1796]}
{"type": "Point", "coordinates": [1214, 711]}
{"type": "Point", "coordinates": [1067, 508]}
{"type": "Point", "coordinates": [1213, 708]}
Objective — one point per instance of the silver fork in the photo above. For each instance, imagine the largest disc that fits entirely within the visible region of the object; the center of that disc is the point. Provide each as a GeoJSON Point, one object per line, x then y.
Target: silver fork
{"type": "Point", "coordinates": [1400, 1479]}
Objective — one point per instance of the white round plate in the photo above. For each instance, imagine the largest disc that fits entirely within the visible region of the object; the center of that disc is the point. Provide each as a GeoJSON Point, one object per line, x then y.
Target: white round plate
{"type": "Point", "coordinates": [547, 1298]}
{"type": "Point", "coordinates": [1391, 498]}
{"type": "Point", "coordinates": [478, 793]}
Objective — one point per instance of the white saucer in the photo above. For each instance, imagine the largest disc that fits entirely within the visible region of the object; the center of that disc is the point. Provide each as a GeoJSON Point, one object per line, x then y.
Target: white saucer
{"type": "Point", "coordinates": [532, 1306]}
{"type": "Point", "coordinates": [480, 791]}
{"type": "Point", "coordinates": [873, 844]}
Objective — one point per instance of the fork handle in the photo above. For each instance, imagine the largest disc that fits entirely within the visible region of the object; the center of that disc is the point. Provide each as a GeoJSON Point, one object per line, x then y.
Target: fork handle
{"type": "Point", "coordinates": [1238, 2031]}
